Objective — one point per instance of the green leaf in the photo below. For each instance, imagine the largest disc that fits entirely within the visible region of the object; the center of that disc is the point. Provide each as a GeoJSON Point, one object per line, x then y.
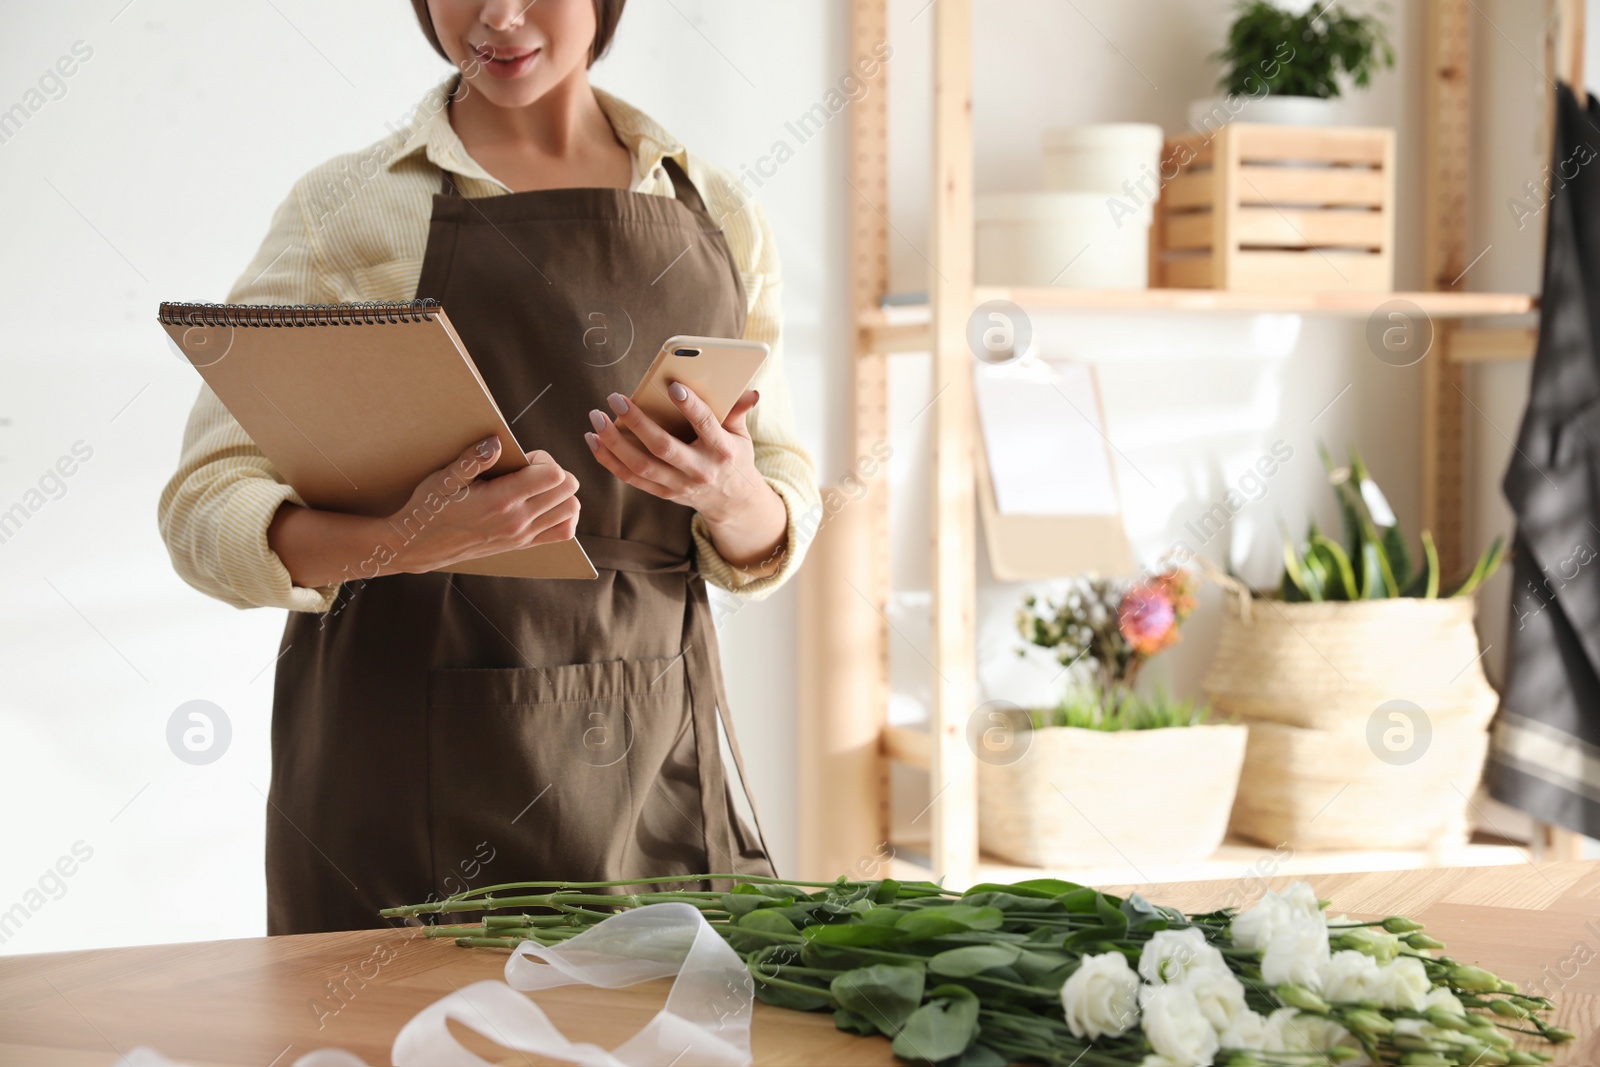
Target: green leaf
{"type": "Point", "coordinates": [1342, 572]}
{"type": "Point", "coordinates": [762, 921]}
{"type": "Point", "coordinates": [978, 1056]}
{"type": "Point", "coordinates": [1488, 563]}
{"type": "Point", "coordinates": [884, 995]}
{"type": "Point", "coordinates": [948, 919]}
{"type": "Point", "coordinates": [941, 1028]}
{"type": "Point", "coordinates": [1081, 901]}
{"type": "Point", "coordinates": [973, 959]}
{"type": "Point", "coordinates": [784, 997]}
{"type": "Point", "coordinates": [851, 1023]}
{"type": "Point", "coordinates": [1044, 887]}
{"type": "Point", "coordinates": [1093, 935]}
{"type": "Point", "coordinates": [1430, 555]}
{"type": "Point", "coordinates": [1293, 588]}
{"type": "Point", "coordinates": [852, 935]}
{"type": "Point", "coordinates": [1033, 963]}
{"type": "Point", "coordinates": [1111, 914]}
{"type": "Point", "coordinates": [1376, 581]}
{"type": "Point", "coordinates": [1394, 547]}
{"type": "Point", "coordinates": [1143, 915]}
{"type": "Point", "coordinates": [888, 890]}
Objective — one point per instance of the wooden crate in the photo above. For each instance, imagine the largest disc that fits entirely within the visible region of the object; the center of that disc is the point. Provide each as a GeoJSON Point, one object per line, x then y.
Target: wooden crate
{"type": "Point", "coordinates": [1261, 208]}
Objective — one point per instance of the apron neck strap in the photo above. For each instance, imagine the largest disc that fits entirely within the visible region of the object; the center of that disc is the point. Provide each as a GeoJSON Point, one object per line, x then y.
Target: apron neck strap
{"type": "Point", "coordinates": [682, 188]}
{"type": "Point", "coordinates": [685, 191]}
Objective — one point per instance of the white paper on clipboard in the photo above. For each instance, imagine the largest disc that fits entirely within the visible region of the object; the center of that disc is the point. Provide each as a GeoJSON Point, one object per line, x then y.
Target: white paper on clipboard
{"type": "Point", "coordinates": [1046, 448]}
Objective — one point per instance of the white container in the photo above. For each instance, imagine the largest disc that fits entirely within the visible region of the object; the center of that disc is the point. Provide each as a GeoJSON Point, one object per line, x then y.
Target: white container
{"type": "Point", "coordinates": [1106, 158]}
{"type": "Point", "coordinates": [1074, 240]}
{"type": "Point", "coordinates": [1210, 114]}
{"type": "Point", "coordinates": [1085, 798]}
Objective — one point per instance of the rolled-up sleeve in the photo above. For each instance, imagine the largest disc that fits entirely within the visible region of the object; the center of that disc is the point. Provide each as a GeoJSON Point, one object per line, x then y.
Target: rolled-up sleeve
{"type": "Point", "coordinates": [215, 510]}
{"type": "Point", "coordinates": [779, 454]}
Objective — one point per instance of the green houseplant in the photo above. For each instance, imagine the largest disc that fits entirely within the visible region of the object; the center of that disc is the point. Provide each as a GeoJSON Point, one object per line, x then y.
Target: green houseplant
{"type": "Point", "coordinates": [1285, 66]}
{"type": "Point", "coordinates": [1061, 789]}
{"type": "Point", "coordinates": [1360, 677]}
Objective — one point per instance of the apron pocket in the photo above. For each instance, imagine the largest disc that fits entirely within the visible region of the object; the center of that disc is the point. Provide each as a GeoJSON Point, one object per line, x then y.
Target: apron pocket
{"type": "Point", "coordinates": [580, 772]}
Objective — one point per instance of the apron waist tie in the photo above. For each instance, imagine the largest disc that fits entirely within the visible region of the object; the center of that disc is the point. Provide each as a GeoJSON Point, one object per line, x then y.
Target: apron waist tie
{"type": "Point", "coordinates": [617, 554]}
{"type": "Point", "coordinates": [704, 674]}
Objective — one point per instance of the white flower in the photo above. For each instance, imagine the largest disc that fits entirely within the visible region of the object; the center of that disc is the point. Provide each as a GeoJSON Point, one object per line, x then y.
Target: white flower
{"type": "Point", "coordinates": [1403, 983]}
{"type": "Point", "coordinates": [1253, 928]}
{"type": "Point", "coordinates": [1349, 975]}
{"type": "Point", "coordinates": [1303, 1032]}
{"type": "Point", "coordinates": [1443, 998]}
{"type": "Point", "coordinates": [1247, 1030]}
{"type": "Point", "coordinates": [1296, 952]}
{"type": "Point", "coordinates": [1175, 1025]}
{"type": "Point", "coordinates": [1172, 955]}
{"type": "Point", "coordinates": [1220, 996]}
{"type": "Point", "coordinates": [1154, 1060]}
{"type": "Point", "coordinates": [1101, 998]}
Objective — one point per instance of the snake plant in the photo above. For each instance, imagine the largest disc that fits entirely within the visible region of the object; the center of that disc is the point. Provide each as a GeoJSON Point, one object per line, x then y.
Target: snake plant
{"type": "Point", "coordinates": [1372, 562]}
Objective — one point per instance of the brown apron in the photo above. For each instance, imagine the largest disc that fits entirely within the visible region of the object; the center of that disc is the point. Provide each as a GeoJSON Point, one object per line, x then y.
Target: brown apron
{"type": "Point", "coordinates": [436, 732]}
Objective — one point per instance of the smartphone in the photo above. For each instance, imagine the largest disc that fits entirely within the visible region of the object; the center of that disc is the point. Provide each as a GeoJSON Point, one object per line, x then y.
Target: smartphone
{"type": "Point", "coordinates": [716, 369]}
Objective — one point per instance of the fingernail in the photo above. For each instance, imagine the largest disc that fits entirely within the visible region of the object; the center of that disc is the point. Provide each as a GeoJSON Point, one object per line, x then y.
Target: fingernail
{"type": "Point", "coordinates": [486, 447]}
{"type": "Point", "coordinates": [619, 403]}
{"type": "Point", "coordinates": [677, 392]}
{"type": "Point", "coordinates": [757, 400]}
{"type": "Point", "coordinates": [598, 419]}
{"type": "Point", "coordinates": [592, 441]}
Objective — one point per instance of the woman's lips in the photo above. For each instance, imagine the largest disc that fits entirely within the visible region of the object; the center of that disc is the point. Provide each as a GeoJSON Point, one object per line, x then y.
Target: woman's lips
{"type": "Point", "coordinates": [506, 62]}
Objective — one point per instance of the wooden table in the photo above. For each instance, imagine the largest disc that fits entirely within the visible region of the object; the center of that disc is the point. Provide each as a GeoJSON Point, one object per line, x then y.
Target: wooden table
{"type": "Point", "coordinates": [266, 1001]}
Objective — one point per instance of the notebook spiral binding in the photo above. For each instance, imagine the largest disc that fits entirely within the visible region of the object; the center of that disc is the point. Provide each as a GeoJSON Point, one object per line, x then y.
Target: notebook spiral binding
{"type": "Point", "coordinates": [369, 312]}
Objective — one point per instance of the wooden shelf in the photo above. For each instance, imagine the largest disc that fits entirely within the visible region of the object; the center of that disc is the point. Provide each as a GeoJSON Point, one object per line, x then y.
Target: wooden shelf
{"type": "Point", "coordinates": [905, 328]}
{"type": "Point", "coordinates": [1234, 859]}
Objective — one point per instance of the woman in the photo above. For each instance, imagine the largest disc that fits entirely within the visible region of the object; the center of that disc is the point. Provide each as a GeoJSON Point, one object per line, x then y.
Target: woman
{"type": "Point", "coordinates": [433, 731]}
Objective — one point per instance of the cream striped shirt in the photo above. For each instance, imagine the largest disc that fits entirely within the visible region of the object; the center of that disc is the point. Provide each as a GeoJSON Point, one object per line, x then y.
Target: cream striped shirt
{"type": "Point", "coordinates": [355, 228]}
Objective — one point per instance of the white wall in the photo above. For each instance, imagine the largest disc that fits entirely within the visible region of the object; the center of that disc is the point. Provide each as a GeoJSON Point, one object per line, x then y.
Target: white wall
{"type": "Point", "coordinates": [153, 176]}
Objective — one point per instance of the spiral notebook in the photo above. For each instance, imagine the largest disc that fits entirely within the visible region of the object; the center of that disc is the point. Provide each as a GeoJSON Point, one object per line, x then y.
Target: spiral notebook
{"type": "Point", "coordinates": [355, 404]}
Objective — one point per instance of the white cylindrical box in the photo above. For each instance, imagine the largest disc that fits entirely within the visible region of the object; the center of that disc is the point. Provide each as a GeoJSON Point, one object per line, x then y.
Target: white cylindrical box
{"type": "Point", "coordinates": [1076, 240]}
{"type": "Point", "coordinates": [1111, 157]}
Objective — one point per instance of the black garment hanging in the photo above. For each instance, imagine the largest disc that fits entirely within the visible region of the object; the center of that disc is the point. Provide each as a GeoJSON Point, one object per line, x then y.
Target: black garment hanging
{"type": "Point", "coordinates": [1545, 751]}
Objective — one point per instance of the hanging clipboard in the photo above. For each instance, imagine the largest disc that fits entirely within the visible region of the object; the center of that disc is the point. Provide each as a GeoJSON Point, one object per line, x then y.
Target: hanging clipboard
{"type": "Point", "coordinates": [1047, 490]}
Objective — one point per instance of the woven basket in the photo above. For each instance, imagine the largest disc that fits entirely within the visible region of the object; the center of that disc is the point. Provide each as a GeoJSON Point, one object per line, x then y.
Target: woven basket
{"type": "Point", "coordinates": [1325, 789]}
{"type": "Point", "coordinates": [1079, 798]}
{"type": "Point", "coordinates": [1326, 665]}
{"type": "Point", "coordinates": [1310, 679]}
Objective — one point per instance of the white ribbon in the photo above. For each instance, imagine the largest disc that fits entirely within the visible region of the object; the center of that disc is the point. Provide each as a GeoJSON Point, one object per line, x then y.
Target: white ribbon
{"type": "Point", "coordinates": [706, 1019]}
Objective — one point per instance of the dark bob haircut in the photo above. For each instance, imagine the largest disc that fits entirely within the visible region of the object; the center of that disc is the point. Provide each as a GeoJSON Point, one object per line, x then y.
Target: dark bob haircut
{"type": "Point", "coordinates": [607, 13]}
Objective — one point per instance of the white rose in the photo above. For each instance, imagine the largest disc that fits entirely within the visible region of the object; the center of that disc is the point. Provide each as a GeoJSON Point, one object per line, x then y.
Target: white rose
{"type": "Point", "coordinates": [1403, 983]}
{"type": "Point", "coordinates": [1153, 1060]}
{"type": "Point", "coordinates": [1443, 998]}
{"type": "Point", "coordinates": [1170, 955]}
{"type": "Point", "coordinates": [1349, 975]}
{"type": "Point", "coordinates": [1101, 998]}
{"type": "Point", "coordinates": [1247, 1030]}
{"type": "Point", "coordinates": [1219, 994]}
{"type": "Point", "coordinates": [1254, 927]}
{"type": "Point", "coordinates": [1303, 1032]}
{"type": "Point", "coordinates": [1176, 1027]}
{"type": "Point", "coordinates": [1296, 952]}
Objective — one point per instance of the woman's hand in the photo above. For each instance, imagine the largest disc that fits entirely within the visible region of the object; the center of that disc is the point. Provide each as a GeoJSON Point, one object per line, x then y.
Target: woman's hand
{"type": "Point", "coordinates": [453, 515]}
{"type": "Point", "coordinates": [715, 473]}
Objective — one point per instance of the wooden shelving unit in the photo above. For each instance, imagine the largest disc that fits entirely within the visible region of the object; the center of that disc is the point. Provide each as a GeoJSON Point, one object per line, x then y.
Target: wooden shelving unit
{"type": "Point", "coordinates": [846, 743]}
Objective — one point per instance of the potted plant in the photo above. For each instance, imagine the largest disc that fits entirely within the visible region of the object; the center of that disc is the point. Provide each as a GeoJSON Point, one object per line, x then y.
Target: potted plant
{"type": "Point", "coordinates": [1108, 775]}
{"type": "Point", "coordinates": [1289, 66]}
{"type": "Point", "coordinates": [1360, 679]}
